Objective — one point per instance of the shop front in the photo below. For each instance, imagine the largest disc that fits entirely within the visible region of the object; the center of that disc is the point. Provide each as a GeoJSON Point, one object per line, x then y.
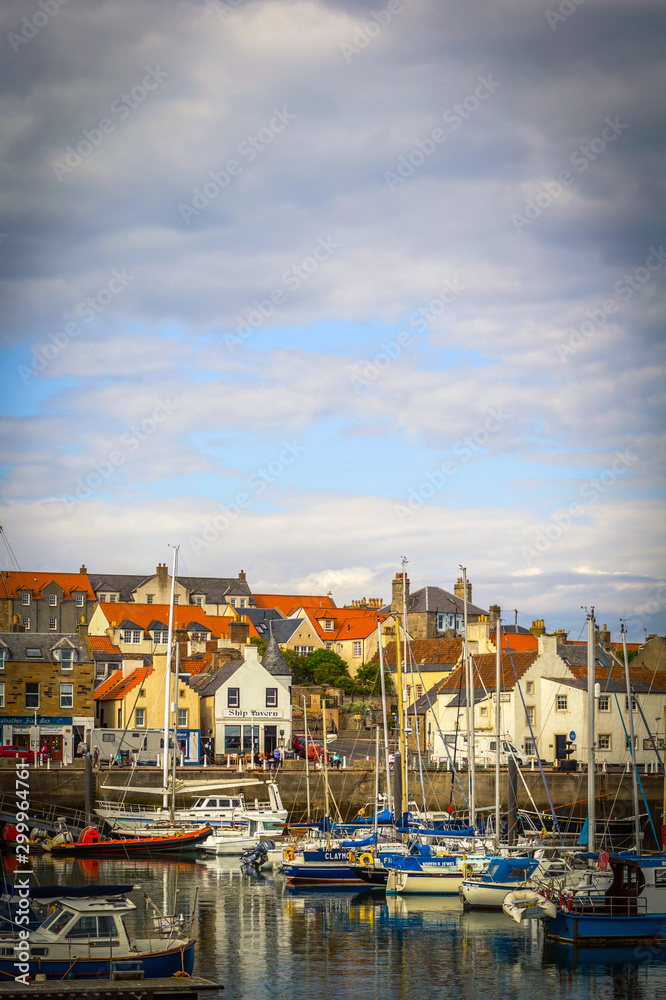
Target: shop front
{"type": "Point", "coordinates": [247, 733]}
{"type": "Point", "coordinates": [35, 732]}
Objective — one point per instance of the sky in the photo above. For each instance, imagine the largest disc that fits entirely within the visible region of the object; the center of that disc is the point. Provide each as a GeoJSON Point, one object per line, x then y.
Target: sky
{"type": "Point", "coordinates": [307, 287]}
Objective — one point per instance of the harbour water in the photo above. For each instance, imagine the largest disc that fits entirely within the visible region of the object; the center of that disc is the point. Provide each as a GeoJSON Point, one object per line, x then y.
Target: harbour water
{"type": "Point", "coordinates": [266, 941]}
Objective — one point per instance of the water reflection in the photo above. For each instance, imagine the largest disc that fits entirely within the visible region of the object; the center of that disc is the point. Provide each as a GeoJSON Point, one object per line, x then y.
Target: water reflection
{"type": "Point", "coordinates": [264, 939]}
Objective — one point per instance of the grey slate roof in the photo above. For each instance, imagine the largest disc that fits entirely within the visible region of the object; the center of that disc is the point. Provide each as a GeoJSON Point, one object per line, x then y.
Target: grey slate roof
{"type": "Point", "coordinates": [207, 684]}
{"type": "Point", "coordinates": [436, 599]}
{"type": "Point", "coordinates": [274, 661]}
{"type": "Point", "coordinates": [269, 621]}
{"type": "Point", "coordinates": [460, 700]}
{"type": "Point", "coordinates": [638, 686]}
{"type": "Point", "coordinates": [215, 589]}
{"type": "Point", "coordinates": [18, 644]}
{"type": "Point", "coordinates": [577, 655]}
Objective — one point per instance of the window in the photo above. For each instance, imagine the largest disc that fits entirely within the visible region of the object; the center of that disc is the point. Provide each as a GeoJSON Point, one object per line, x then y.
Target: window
{"type": "Point", "coordinates": [131, 635]}
{"type": "Point", "coordinates": [149, 598]}
{"type": "Point", "coordinates": [604, 703]}
{"type": "Point", "coordinates": [176, 598]}
{"type": "Point", "coordinates": [483, 710]}
{"type": "Point", "coordinates": [357, 649]}
{"type": "Point", "coordinates": [182, 718]}
{"type": "Point", "coordinates": [305, 650]}
{"type": "Point", "coordinates": [112, 598]}
{"type": "Point", "coordinates": [2, 694]}
{"type": "Point", "coordinates": [328, 645]}
{"type": "Point", "coordinates": [102, 598]}
{"type": "Point", "coordinates": [530, 714]}
{"type": "Point", "coordinates": [233, 697]}
{"type": "Point", "coordinates": [198, 601]}
{"type": "Point", "coordinates": [26, 623]}
{"type": "Point", "coordinates": [31, 694]}
{"type": "Point", "coordinates": [242, 602]}
{"type": "Point", "coordinates": [53, 600]}
{"type": "Point", "coordinates": [271, 697]}
{"type": "Point", "coordinates": [561, 702]}
{"type": "Point", "coordinates": [161, 638]}
{"type": "Point", "coordinates": [80, 600]}
{"type": "Point", "coordinates": [140, 717]}
{"type": "Point", "coordinates": [3, 657]}
{"type": "Point", "coordinates": [604, 741]}
{"type": "Point", "coordinates": [529, 687]}
{"type": "Point", "coordinates": [530, 747]}
{"type": "Point", "coordinates": [25, 598]}
{"type": "Point", "coordinates": [67, 696]}
{"type": "Point", "coordinates": [34, 654]}
{"type": "Point", "coordinates": [53, 624]}
{"type": "Point", "coordinates": [232, 602]}
{"type": "Point", "coordinates": [328, 625]}
{"type": "Point", "coordinates": [633, 703]}
{"type": "Point", "coordinates": [419, 690]}
{"type": "Point", "coordinates": [66, 659]}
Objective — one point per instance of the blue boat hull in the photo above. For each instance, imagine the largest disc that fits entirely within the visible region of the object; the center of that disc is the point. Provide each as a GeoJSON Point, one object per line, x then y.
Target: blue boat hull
{"type": "Point", "coordinates": [159, 965]}
{"type": "Point", "coordinates": [597, 930]}
{"type": "Point", "coordinates": [320, 874]}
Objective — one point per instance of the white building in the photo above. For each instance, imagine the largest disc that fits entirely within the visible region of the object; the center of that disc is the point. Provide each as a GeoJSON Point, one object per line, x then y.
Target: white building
{"type": "Point", "coordinates": [544, 701]}
{"type": "Point", "coordinates": [246, 704]}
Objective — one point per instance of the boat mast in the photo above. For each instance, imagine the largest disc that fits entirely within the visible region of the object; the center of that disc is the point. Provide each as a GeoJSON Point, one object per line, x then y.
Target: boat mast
{"type": "Point", "coordinates": [385, 714]}
{"type": "Point", "coordinates": [498, 725]}
{"type": "Point", "coordinates": [630, 709]}
{"type": "Point", "coordinates": [399, 799]}
{"type": "Point", "coordinates": [469, 681]}
{"type": "Point", "coordinates": [175, 738]}
{"type": "Point", "coordinates": [404, 722]}
{"type": "Point", "coordinates": [376, 825]}
{"type": "Point", "coordinates": [167, 685]}
{"type": "Point", "coordinates": [591, 805]}
{"type": "Point", "coordinates": [307, 750]}
{"type": "Point", "coordinates": [328, 822]}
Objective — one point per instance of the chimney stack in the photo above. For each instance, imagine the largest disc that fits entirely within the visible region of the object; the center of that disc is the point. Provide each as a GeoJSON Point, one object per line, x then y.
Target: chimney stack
{"type": "Point", "coordinates": [458, 590]}
{"type": "Point", "coordinates": [399, 583]}
{"type": "Point", "coordinates": [494, 614]}
{"type": "Point", "coordinates": [241, 577]}
{"type": "Point", "coordinates": [605, 637]}
{"type": "Point", "coordinates": [82, 627]}
{"type": "Point", "coordinates": [538, 627]}
{"type": "Point", "coordinates": [83, 570]}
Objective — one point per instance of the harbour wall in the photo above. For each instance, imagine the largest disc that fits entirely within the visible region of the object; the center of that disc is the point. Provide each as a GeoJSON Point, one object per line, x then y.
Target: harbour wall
{"type": "Point", "coordinates": [350, 789]}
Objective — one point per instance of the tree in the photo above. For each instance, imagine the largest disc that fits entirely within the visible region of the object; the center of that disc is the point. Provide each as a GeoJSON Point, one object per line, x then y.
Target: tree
{"type": "Point", "coordinates": [328, 669]}
{"type": "Point", "coordinates": [368, 680]}
{"type": "Point", "coordinates": [259, 643]}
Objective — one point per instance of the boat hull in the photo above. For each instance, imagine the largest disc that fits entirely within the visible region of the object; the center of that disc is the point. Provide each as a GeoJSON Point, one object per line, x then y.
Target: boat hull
{"type": "Point", "coordinates": [424, 883]}
{"type": "Point", "coordinates": [320, 874]}
{"type": "Point", "coordinates": [153, 965]}
{"type": "Point", "coordinates": [143, 847]}
{"type": "Point", "coordinates": [597, 930]}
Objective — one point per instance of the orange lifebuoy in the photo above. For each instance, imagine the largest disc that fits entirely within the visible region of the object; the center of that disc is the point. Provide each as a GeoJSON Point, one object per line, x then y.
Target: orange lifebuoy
{"type": "Point", "coordinates": [366, 859]}
{"type": "Point", "coordinates": [289, 854]}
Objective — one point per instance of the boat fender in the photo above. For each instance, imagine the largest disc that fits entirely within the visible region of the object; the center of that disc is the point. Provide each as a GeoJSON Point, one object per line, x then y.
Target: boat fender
{"type": "Point", "coordinates": [569, 901]}
{"type": "Point", "coordinates": [289, 853]}
{"type": "Point", "coordinates": [467, 870]}
{"type": "Point", "coordinates": [365, 859]}
{"type": "Point", "coordinates": [352, 857]}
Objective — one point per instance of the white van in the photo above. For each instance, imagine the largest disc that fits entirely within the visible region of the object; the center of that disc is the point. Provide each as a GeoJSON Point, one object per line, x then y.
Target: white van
{"type": "Point", "coordinates": [445, 745]}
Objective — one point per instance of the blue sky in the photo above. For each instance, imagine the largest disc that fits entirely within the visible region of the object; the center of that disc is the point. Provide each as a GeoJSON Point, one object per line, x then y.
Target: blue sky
{"type": "Point", "coordinates": [306, 293]}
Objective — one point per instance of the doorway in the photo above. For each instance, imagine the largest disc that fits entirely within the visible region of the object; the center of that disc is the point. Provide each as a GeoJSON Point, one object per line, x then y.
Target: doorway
{"type": "Point", "coordinates": [54, 743]}
{"type": "Point", "coordinates": [270, 739]}
{"type": "Point", "coordinates": [560, 747]}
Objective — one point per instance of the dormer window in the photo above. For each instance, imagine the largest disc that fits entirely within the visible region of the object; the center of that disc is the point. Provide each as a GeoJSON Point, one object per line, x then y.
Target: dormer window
{"type": "Point", "coordinates": [80, 600]}
{"type": "Point", "coordinates": [232, 602]}
{"type": "Point", "coordinates": [112, 598]}
{"type": "Point", "coordinates": [198, 601]}
{"type": "Point", "coordinates": [53, 600]}
{"type": "Point", "coordinates": [66, 657]}
{"type": "Point", "coordinates": [161, 638]}
{"type": "Point", "coordinates": [25, 598]}
{"type": "Point", "coordinates": [328, 625]}
{"type": "Point", "coordinates": [102, 598]}
{"type": "Point", "coordinates": [131, 635]}
{"type": "Point", "coordinates": [3, 657]}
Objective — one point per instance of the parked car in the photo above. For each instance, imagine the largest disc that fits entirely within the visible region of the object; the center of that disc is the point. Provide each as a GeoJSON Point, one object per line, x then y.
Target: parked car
{"type": "Point", "coordinates": [315, 748]}
{"type": "Point", "coordinates": [18, 752]}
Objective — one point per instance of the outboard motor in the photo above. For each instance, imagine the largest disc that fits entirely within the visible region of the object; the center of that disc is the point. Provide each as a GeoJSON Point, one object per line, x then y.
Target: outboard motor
{"type": "Point", "coordinates": [257, 855]}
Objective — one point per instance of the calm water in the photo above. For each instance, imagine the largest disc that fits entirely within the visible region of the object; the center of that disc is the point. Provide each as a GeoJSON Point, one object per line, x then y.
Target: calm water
{"type": "Point", "coordinates": [266, 941]}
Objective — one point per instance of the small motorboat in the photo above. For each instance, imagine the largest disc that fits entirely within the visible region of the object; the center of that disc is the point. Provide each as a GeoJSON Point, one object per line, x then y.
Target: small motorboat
{"type": "Point", "coordinates": [87, 938]}
{"type": "Point", "coordinates": [91, 843]}
{"type": "Point", "coordinates": [528, 903]}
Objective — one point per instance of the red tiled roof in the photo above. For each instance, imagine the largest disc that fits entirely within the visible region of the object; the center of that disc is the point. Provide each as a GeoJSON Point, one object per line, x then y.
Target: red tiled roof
{"type": "Point", "coordinates": [520, 641]}
{"type": "Point", "coordinates": [143, 614]}
{"type": "Point", "coordinates": [287, 603]}
{"type": "Point", "coordinates": [425, 651]}
{"type": "Point", "coordinates": [102, 644]}
{"type": "Point", "coordinates": [484, 667]}
{"type": "Point", "coordinates": [115, 687]}
{"type": "Point", "coordinates": [12, 582]}
{"type": "Point", "coordinates": [348, 623]}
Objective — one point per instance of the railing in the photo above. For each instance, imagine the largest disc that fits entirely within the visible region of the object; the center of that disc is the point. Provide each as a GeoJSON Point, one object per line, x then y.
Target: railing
{"type": "Point", "coordinates": [600, 905]}
{"type": "Point", "coordinates": [42, 814]}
